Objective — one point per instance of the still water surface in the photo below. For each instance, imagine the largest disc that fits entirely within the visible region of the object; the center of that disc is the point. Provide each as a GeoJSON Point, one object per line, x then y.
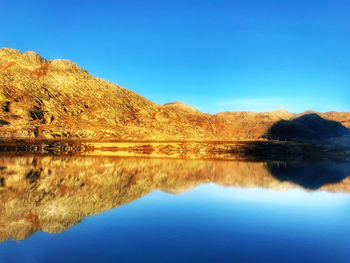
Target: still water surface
{"type": "Point", "coordinates": [98, 209]}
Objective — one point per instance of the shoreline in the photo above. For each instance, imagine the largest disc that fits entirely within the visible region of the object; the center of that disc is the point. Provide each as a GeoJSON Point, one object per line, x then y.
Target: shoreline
{"type": "Point", "coordinates": [192, 149]}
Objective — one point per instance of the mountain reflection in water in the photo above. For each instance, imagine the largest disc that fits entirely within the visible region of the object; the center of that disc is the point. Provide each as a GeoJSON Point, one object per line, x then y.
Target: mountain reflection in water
{"type": "Point", "coordinates": [53, 193]}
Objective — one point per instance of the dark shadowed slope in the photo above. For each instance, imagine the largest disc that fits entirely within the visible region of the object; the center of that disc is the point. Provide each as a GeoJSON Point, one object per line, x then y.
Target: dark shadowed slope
{"type": "Point", "coordinates": [306, 127]}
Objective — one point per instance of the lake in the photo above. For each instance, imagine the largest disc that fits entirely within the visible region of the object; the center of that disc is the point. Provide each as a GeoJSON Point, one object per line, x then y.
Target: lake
{"type": "Point", "coordinates": [118, 209]}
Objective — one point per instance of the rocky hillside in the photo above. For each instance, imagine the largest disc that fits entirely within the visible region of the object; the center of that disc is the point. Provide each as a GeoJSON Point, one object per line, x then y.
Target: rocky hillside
{"type": "Point", "coordinates": [58, 99]}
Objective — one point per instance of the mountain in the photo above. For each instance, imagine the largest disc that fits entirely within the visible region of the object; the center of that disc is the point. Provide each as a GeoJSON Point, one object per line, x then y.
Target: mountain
{"type": "Point", "coordinates": [46, 99]}
{"type": "Point", "coordinates": [54, 99]}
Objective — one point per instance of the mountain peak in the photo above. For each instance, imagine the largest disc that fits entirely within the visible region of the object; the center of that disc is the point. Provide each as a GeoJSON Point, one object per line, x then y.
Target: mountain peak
{"type": "Point", "coordinates": [33, 57]}
{"type": "Point", "coordinates": [9, 51]}
{"type": "Point", "coordinates": [66, 65]}
{"type": "Point", "coordinates": [180, 105]}
{"type": "Point", "coordinates": [27, 59]}
{"type": "Point", "coordinates": [280, 111]}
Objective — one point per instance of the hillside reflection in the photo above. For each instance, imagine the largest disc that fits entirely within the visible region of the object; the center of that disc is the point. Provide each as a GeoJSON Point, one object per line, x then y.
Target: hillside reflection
{"type": "Point", "coordinates": [52, 193]}
{"type": "Point", "coordinates": [310, 175]}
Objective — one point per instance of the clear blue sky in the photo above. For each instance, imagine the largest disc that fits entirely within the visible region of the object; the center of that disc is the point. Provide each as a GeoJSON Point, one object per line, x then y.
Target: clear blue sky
{"type": "Point", "coordinates": [215, 55]}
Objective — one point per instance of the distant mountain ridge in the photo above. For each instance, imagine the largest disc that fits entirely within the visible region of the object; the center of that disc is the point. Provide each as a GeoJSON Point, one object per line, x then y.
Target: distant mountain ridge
{"type": "Point", "coordinates": [58, 99]}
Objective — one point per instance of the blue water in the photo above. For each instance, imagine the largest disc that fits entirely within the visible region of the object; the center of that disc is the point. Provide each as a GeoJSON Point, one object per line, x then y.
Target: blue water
{"type": "Point", "coordinates": [210, 223]}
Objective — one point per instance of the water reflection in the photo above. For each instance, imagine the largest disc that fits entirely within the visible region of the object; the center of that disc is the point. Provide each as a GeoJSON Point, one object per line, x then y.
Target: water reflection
{"type": "Point", "coordinates": [311, 175]}
{"type": "Point", "coordinates": [52, 193]}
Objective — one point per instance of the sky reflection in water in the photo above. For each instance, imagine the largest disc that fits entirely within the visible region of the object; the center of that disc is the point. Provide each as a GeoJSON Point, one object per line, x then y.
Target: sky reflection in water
{"type": "Point", "coordinates": [209, 223]}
